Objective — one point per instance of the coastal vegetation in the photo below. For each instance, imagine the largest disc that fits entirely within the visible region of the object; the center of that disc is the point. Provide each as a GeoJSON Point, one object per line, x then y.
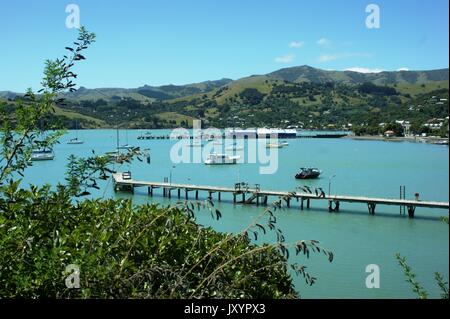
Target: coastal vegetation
{"type": "Point", "coordinates": [49, 235]}
{"type": "Point", "coordinates": [420, 292]}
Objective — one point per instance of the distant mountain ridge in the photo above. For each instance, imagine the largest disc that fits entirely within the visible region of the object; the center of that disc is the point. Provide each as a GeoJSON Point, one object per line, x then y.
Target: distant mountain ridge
{"type": "Point", "coordinates": [297, 74]}
{"type": "Point", "coordinates": [306, 73]}
{"type": "Point", "coordinates": [147, 92]}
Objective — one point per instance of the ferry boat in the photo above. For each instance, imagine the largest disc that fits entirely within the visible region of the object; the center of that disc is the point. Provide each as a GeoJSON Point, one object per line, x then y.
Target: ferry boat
{"type": "Point", "coordinates": [260, 133]}
{"type": "Point", "coordinates": [220, 159]}
{"type": "Point", "coordinates": [308, 173]}
{"type": "Point", "coordinates": [42, 155]}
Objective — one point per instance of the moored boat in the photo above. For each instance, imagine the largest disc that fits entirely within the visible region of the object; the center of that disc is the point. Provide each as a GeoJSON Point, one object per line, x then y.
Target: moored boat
{"type": "Point", "coordinates": [308, 173]}
{"type": "Point", "coordinates": [274, 145]}
{"type": "Point", "coordinates": [234, 148]}
{"type": "Point", "coordinates": [220, 159]}
{"type": "Point", "coordinates": [75, 140]}
{"type": "Point", "coordinates": [42, 155]}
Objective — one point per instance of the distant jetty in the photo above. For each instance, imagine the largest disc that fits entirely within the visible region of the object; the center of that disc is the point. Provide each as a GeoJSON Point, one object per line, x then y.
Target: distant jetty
{"type": "Point", "coordinates": [250, 134]}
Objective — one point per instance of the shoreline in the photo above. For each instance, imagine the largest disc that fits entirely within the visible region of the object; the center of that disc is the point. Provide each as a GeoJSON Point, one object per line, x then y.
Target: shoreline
{"type": "Point", "coordinates": [413, 139]}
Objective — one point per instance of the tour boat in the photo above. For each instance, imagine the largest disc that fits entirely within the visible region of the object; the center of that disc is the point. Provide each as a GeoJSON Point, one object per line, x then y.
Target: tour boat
{"type": "Point", "coordinates": [219, 159]}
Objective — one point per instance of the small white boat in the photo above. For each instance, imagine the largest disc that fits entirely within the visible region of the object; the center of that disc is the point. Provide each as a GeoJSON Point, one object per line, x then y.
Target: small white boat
{"type": "Point", "coordinates": [196, 144]}
{"type": "Point", "coordinates": [125, 147]}
{"type": "Point", "coordinates": [42, 155]}
{"type": "Point", "coordinates": [274, 145]}
{"type": "Point", "coordinates": [284, 143]}
{"type": "Point", "coordinates": [220, 159]}
{"type": "Point", "coordinates": [75, 140]}
{"type": "Point", "coordinates": [234, 148]}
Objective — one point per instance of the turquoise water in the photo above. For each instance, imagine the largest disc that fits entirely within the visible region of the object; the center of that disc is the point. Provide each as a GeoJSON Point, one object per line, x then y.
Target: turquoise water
{"type": "Point", "coordinates": [365, 168]}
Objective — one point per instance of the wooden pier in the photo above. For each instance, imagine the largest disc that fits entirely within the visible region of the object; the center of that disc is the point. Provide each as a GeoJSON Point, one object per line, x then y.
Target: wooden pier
{"type": "Point", "coordinates": [245, 195]}
{"type": "Point", "coordinates": [223, 136]}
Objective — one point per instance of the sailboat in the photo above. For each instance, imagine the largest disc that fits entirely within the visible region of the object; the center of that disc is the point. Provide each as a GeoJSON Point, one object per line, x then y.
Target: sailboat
{"type": "Point", "coordinates": [75, 140]}
{"type": "Point", "coordinates": [44, 154]}
{"type": "Point", "coordinates": [116, 155]}
{"type": "Point", "coordinates": [126, 146]}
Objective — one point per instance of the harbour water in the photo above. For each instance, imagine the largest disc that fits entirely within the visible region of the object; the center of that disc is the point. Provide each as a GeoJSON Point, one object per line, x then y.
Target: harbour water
{"type": "Point", "coordinates": [365, 168]}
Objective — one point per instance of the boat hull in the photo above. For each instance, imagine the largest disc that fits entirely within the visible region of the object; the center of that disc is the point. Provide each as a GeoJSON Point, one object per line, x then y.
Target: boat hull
{"type": "Point", "coordinates": [75, 142]}
{"type": "Point", "coordinates": [42, 158]}
{"type": "Point", "coordinates": [225, 162]}
{"type": "Point", "coordinates": [307, 176]}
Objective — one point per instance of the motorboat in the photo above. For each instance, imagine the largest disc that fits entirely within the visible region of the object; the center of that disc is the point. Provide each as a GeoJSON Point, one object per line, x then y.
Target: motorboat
{"type": "Point", "coordinates": [196, 144]}
{"type": "Point", "coordinates": [234, 148]}
{"type": "Point", "coordinates": [75, 140]}
{"type": "Point", "coordinates": [42, 155]}
{"type": "Point", "coordinates": [308, 173]}
{"type": "Point", "coordinates": [274, 145]}
{"type": "Point", "coordinates": [220, 159]}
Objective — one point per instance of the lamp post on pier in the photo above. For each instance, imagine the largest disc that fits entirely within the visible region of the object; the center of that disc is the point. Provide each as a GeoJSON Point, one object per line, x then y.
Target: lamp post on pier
{"type": "Point", "coordinates": [329, 185]}
{"type": "Point", "coordinates": [170, 174]}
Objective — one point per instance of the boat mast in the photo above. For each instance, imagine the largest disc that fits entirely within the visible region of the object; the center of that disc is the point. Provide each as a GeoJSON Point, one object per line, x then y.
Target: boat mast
{"type": "Point", "coordinates": [117, 141]}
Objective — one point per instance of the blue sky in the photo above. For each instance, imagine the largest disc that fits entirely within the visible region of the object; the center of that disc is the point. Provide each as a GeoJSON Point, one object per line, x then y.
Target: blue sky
{"type": "Point", "coordinates": [165, 41]}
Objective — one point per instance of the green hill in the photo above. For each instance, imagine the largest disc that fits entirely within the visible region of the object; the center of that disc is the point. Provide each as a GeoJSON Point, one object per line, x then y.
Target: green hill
{"type": "Point", "coordinates": [298, 96]}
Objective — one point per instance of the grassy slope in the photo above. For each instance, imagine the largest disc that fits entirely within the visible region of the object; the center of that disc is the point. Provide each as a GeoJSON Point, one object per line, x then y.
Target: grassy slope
{"type": "Point", "coordinates": [173, 116]}
{"type": "Point", "coordinates": [415, 89]}
{"type": "Point", "coordinates": [74, 115]}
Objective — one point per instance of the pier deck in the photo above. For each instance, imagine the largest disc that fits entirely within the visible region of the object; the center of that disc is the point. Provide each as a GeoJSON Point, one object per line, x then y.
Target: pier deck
{"type": "Point", "coordinates": [255, 194]}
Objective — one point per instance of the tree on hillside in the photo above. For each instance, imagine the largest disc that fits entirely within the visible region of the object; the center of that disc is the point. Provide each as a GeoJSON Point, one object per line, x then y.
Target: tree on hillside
{"type": "Point", "coordinates": [251, 96]}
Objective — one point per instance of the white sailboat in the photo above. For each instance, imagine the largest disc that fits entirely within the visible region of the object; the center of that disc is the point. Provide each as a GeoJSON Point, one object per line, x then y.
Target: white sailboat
{"type": "Point", "coordinates": [126, 146]}
{"type": "Point", "coordinates": [75, 140]}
